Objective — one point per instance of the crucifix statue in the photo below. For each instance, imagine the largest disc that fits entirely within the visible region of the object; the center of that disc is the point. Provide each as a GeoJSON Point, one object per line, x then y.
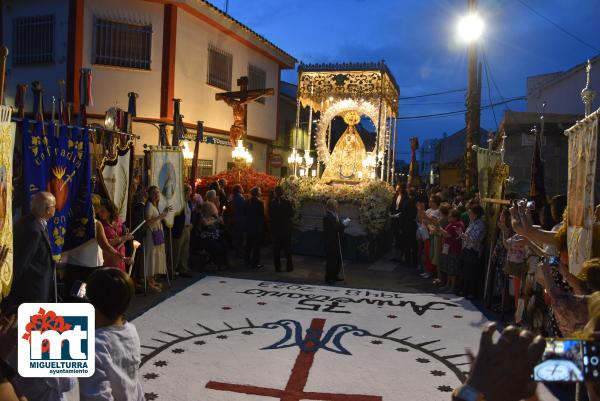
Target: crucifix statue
{"type": "Point", "coordinates": [238, 101]}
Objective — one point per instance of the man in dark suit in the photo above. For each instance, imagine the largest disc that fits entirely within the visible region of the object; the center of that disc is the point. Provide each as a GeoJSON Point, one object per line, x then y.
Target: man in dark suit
{"type": "Point", "coordinates": [395, 216]}
{"type": "Point", "coordinates": [239, 219]}
{"type": "Point", "coordinates": [33, 267]}
{"type": "Point", "coordinates": [255, 228]}
{"type": "Point", "coordinates": [333, 229]}
{"type": "Point", "coordinates": [408, 226]}
{"type": "Point", "coordinates": [281, 213]}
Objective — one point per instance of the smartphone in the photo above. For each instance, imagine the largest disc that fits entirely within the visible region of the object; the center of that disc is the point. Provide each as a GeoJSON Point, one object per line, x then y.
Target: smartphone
{"type": "Point", "coordinates": [569, 360]}
{"type": "Point", "coordinates": [79, 290]}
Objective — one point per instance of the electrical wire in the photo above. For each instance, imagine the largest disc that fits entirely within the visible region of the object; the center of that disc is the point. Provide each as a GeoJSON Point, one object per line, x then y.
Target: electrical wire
{"type": "Point", "coordinates": [487, 78]}
{"type": "Point", "coordinates": [432, 94]}
{"type": "Point", "coordinates": [484, 57]}
{"type": "Point", "coordinates": [560, 28]}
{"type": "Point", "coordinates": [450, 113]}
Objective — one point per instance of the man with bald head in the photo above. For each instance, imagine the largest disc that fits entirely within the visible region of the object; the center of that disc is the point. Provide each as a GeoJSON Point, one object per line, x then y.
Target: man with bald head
{"type": "Point", "coordinates": [33, 266]}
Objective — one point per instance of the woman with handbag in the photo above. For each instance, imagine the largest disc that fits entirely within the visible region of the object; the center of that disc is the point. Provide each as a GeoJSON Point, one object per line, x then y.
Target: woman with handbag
{"type": "Point", "coordinates": [155, 257]}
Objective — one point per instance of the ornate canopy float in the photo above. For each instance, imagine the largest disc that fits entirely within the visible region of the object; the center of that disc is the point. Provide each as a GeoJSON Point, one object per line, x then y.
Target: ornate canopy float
{"type": "Point", "coordinates": [346, 170]}
{"type": "Point", "coordinates": [352, 91]}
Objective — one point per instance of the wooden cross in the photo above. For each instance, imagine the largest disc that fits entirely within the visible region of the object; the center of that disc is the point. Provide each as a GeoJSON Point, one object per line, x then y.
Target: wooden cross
{"type": "Point", "coordinates": [294, 390]}
{"type": "Point", "coordinates": [238, 101]}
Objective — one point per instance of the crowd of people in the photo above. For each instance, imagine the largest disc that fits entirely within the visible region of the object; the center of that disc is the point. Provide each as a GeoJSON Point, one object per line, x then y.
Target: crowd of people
{"type": "Point", "coordinates": [442, 233]}
{"type": "Point", "coordinates": [438, 231]}
{"type": "Point", "coordinates": [209, 228]}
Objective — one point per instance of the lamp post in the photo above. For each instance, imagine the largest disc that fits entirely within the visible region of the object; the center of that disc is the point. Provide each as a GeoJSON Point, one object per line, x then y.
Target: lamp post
{"type": "Point", "coordinates": [470, 29]}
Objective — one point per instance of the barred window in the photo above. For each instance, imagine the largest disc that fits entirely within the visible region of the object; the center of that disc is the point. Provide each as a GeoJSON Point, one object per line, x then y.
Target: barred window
{"type": "Point", "coordinates": [122, 44]}
{"type": "Point", "coordinates": [219, 68]}
{"type": "Point", "coordinates": [33, 40]}
{"type": "Point", "coordinates": [204, 169]}
{"type": "Point", "coordinates": [257, 79]}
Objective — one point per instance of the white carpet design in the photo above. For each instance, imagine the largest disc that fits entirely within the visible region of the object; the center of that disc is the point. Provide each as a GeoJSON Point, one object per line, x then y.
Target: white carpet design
{"type": "Point", "coordinates": [225, 339]}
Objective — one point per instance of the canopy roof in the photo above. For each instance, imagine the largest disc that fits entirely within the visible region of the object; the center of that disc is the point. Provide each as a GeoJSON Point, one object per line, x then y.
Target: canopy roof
{"type": "Point", "coordinates": [320, 84]}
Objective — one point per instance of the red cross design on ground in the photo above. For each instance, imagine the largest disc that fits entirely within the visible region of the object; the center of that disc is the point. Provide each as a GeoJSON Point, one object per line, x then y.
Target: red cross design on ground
{"type": "Point", "coordinates": [294, 390]}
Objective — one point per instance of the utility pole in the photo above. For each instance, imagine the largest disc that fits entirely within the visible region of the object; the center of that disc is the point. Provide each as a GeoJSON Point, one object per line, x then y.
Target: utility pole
{"type": "Point", "coordinates": [473, 114]}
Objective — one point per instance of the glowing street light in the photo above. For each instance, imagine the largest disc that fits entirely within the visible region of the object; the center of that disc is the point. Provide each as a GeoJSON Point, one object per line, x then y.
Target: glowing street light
{"type": "Point", "coordinates": [470, 28]}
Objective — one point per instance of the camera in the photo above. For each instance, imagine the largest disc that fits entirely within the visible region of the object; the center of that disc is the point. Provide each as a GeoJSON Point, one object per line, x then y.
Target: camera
{"type": "Point", "coordinates": [526, 204]}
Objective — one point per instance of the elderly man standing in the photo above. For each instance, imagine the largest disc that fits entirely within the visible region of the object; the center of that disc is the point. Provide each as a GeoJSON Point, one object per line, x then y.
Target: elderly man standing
{"type": "Point", "coordinates": [333, 230]}
{"type": "Point", "coordinates": [33, 267]}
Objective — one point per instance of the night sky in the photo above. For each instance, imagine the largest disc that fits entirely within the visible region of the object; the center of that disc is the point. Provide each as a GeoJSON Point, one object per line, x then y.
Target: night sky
{"type": "Point", "coordinates": [417, 40]}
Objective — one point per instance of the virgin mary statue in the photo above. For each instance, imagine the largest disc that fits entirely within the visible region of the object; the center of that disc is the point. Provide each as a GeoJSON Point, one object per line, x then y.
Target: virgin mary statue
{"type": "Point", "coordinates": [346, 160]}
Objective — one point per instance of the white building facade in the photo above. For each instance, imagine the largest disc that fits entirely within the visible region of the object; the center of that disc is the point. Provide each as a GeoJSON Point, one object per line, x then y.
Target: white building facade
{"type": "Point", "coordinates": [160, 49]}
{"type": "Point", "coordinates": [562, 90]}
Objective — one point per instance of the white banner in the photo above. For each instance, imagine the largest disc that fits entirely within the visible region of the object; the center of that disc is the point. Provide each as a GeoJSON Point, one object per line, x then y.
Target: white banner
{"type": "Point", "coordinates": [116, 180]}
{"type": "Point", "coordinates": [583, 142]}
{"type": "Point", "coordinates": [166, 172]}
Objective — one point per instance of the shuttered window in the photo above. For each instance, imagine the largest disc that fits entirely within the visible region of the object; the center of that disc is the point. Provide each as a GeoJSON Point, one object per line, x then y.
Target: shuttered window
{"type": "Point", "coordinates": [33, 40]}
{"type": "Point", "coordinates": [219, 68]}
{"type": "Point", "coordinates": [257, 79]}
{"type": "Point", "coordinates": [121, 44]}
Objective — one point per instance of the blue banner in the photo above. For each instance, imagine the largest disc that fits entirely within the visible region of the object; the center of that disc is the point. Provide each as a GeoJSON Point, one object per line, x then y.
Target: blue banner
{"type": "Point", "coordinates": [58, 161]}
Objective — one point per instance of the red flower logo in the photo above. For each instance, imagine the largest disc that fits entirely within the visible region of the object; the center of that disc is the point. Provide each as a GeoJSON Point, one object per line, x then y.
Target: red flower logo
{"type": "Point", "coordinates": [45, 321]}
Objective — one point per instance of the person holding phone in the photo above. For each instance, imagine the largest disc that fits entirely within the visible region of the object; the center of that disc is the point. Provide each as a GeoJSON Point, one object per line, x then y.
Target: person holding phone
{"type": "Point", "coordinates": [155, 257]}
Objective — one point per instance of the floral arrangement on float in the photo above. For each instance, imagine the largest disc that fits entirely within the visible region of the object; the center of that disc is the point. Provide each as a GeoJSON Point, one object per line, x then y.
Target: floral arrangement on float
{"type": "Point", "coordinates": [246, 176]}
{"type": "Point", "coordinates": [372, 198]}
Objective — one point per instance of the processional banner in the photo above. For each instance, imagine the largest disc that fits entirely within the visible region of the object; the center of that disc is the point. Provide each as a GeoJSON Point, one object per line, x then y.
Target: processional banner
{"type": "Point", "coordinates": [116, 180]}
{"type": "Point", "coordinates": [583, 142]}
{"type": "Point", "coordinates": [58, 161]}
{"type": "Point", "coordinates": [7, 141]}
{"type": "Point", "coordinates": [166, 172]}
{"type": "Point", "coordinates": [486, 162]}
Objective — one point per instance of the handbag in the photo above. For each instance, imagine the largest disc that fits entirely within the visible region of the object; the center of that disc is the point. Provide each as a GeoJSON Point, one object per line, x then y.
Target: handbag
{"type": "Point", "coordinates": [158, 237]}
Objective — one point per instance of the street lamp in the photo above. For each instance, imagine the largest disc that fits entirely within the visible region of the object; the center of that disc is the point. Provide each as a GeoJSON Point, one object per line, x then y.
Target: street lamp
{"type": "Point", "coordinates": [470, 28]}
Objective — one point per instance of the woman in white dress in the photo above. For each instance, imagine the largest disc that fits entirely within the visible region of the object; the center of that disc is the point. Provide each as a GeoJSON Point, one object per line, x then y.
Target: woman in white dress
{"type": "Point", "coordinates": [154, 245]}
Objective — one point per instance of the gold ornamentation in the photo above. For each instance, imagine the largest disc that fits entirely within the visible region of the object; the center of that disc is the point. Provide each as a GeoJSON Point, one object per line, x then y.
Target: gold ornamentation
{"type": "Point", "coordinates": [352, 118]}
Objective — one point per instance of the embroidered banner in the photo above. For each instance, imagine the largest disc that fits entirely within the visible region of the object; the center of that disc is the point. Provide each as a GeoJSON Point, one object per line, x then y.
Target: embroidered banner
{"type": "Point", "coordinates": [116, 180]}
{"type": "Point", "coordinates": [58, 162]}
{"type": "Point", "coordinates": [583, 142]}
{"type": "Point", "coordinates": [7, 140]}
{"type": "Point", "coordinates": [166, 172]}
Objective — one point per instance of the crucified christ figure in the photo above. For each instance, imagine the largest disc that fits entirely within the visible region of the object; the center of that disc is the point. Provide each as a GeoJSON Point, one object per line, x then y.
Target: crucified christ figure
{"type": "Point", "coordinates": [238, 101]}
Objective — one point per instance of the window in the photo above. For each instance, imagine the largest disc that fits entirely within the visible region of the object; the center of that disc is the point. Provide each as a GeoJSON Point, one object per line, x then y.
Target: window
{"type": "Point", "coordinates": [219, 68]}
{"type": "Point", "coordinates": [33, 40]}
{"type": "Point", "coordinates": [257, 79]}
{"type": "Point", "coordinates": [205, 168]}
{"type": "Point", "coordinates": [122, 44]}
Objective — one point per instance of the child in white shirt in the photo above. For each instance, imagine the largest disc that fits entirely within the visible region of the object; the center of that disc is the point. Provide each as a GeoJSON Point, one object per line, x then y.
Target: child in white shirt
{"type": "Point", "coordinates": [117, 343]}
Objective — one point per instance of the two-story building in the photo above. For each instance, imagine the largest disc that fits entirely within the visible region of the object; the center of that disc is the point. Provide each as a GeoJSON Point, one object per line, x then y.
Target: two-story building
{"type": "Point", "coordinates": [561, 91]}
{"type": "Point", "coordinates": [160, 49]}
